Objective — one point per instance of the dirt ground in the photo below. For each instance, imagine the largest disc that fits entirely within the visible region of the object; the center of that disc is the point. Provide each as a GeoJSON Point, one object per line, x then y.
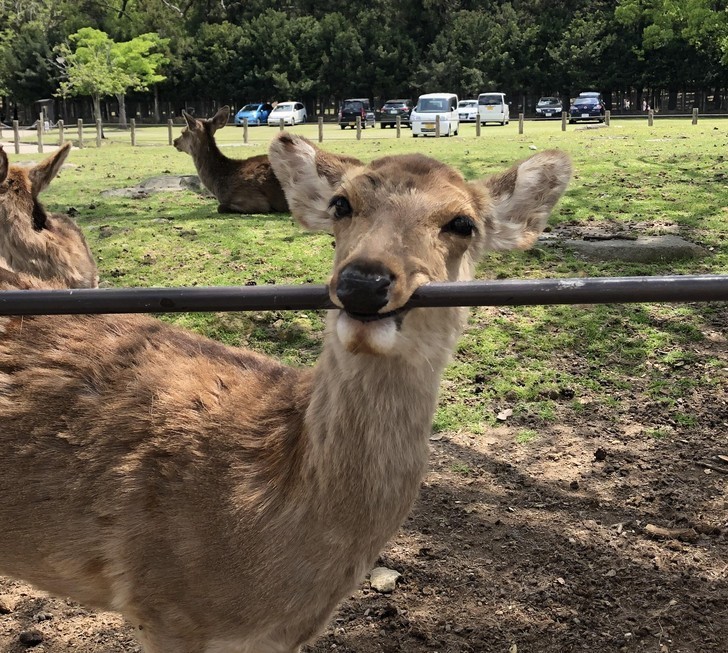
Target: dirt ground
{"type": "Point", "coordinates": [547, 546]}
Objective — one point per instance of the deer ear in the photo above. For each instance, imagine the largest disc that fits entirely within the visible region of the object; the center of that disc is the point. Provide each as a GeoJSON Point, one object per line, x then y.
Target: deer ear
{"type": "Point", "coordinates": [3, 165]}
{"type": "Point", "coordinates": [519, 201]}
{"type": "Point", "coordinates": [42, 174]}
{"type": "Point", "coordinates": [309, 178]}
{"type": "Point", "coordinates": [191, 122]}
{"type": "Point", "coordinates": [219, 120]}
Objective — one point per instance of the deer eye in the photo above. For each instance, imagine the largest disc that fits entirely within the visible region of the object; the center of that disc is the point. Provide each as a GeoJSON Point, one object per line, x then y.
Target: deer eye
{"type": "Point", "coordinates": [341, 206]}
{"type": "Point", "coordinates": [461, 225]}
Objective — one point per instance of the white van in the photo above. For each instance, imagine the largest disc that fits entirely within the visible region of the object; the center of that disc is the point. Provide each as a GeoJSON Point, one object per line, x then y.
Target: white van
{"type": "Point", "coordinates": [431, 105]}
{"type": "Point", "coordinates": [492, 107]}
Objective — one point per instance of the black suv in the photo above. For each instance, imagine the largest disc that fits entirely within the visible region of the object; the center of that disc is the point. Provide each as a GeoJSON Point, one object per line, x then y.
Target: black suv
{"type": "Point", "coordinates": [356, 107]}
{"type": "Point", "coordinates": [393, 108]}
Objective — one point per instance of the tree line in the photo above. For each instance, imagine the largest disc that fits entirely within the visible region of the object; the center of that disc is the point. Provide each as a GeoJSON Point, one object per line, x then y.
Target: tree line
{"type": "Point", "coordinates": [237, 51]}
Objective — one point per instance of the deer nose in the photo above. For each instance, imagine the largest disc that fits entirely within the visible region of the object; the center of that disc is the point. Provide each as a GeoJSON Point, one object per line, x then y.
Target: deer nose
{"type": "Point", "coordinates": [364, 287]}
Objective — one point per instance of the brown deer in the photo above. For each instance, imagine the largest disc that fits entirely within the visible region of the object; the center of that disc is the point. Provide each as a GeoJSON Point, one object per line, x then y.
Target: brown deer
{"type": "Point", "coordinates": [241, 186]}
{"type": "Point", "coordinates": [33, 241]}
{"type": "Point", "coordinates": [222, 502]}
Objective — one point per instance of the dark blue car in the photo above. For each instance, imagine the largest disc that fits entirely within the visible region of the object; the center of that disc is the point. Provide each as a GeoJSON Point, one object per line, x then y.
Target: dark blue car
{"type": "Point", "coordinates": [257, 114]}
{"type": "Point", "coordinates": [586, 108]}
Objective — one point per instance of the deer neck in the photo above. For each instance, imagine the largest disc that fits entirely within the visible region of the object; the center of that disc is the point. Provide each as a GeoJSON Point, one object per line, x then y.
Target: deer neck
{"type": "Point", "coordinates": [369, 422]}
{"type": "Point", "coordinates": [212, 165]}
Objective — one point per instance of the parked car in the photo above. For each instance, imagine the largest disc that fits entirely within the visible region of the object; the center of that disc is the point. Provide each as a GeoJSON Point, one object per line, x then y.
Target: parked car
{"type": "Point", "coordinates": [393, 108]}
{"type": "Point", "coordinates": [468, 110]}
{"type": "Point", "coordinates": [492, 107]}
{"type": "Point", "coordinates": [354, 107]}
{"type": "Point", "coordinates": [586, 108]}
{"type": "Point", "coordinates": [431, 105]}
{"type": "Point", "coordinates": [548, 107]}
{"type": "Point", "coordinates": [292, 113]}
{"type": "Point", "coordinates": [256, 113]}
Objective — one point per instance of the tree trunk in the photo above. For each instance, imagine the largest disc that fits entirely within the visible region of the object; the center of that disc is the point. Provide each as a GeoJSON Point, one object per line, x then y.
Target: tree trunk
{"type": "Point", "coordinates": [96, 99]}
{"type": "Point", "coordinates": [121, 98]}
{"type": "Point", "coordinates": [157, 117]}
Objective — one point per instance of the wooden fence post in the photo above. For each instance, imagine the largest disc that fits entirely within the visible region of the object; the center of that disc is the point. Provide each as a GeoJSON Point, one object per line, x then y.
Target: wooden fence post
{"type": "Point", "coordinates": [79, 124]}
{"type": "Point", "coordinates": [358, 128]}
{"type": "Point", "coordinates": [650, 117]}
{"type": "Point", "coordinates": [61, 135]}
{"type": "Point", "coordinates": [520, 123]}
{"type": "Point", "coordinates": [245, 131]}
{"type": "Point", "coordinates": [477, 123]}
{"type": "Point", "coordinates": [607, 117]}
{"type": "Point", "coordinates": [132, 123]}
{"type": "Point", "coordinates": [563, 121]}
{"type": "Point", "coordinates": [281, 124]}
{"type": "Point", "coordinates": [16, 136]}
{"type": "Point", "coordinates": [321, 129]}
{"type": "Point", "coordinates": [170, 135]}
{"type": "Point", "coordinates": [437, 126]}
{"type": "Point", "coordinates": [695, 115]}
{"type": "Point", "coordinates": [39, 129]}
{"type": "Point", "coordinates": [399, 126]}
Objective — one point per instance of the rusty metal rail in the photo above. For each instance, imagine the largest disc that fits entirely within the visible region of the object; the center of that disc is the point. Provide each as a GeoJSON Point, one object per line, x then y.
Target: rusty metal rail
{"type": "Point", "coordinates": [594, 290]}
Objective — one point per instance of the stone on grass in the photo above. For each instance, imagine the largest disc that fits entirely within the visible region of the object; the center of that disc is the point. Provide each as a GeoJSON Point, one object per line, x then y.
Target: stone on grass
{"type": "Point", "coordinates": [644, 249]}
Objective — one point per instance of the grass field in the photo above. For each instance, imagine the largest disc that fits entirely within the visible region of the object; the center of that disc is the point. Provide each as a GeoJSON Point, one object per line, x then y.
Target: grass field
{"type": "Point", "coordinates": [669, 178]}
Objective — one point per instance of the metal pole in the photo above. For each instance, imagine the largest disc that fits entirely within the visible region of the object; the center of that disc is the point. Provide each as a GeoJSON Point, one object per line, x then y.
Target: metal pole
{"type": "Point", "coordinates": [321, 129]}
{"type": "Point", "coordinates": [61, 135]}
{"type": "Point", "coordinates": [132, 122]}
{"type": "Point", "coordinates": [79, 124]}
{"type": "Point", "coordinates": [512, 292]}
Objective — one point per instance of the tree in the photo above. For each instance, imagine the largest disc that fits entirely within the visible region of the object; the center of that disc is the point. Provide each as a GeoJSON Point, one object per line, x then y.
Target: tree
{"type": "Point", "coordinates": [100, 67]}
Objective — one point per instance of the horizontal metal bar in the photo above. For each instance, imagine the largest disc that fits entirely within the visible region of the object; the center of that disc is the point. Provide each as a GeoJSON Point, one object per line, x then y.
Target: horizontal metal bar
{"type": "Point", "coordinates": [599, 290]}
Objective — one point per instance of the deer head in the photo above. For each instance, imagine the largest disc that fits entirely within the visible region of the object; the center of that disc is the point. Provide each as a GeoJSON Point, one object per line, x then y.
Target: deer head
{"type": "Point", "coordinates": [199, 131]}
{"type": "Point", "coordinates": [33, 241]}
{"type": "Point", "coordinates": [404, 221]}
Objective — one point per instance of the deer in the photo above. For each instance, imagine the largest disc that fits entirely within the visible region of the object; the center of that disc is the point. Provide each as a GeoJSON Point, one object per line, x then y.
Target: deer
{"type": "Point", "coordinates": [219, 500]}
{"type": "Point", "coordinates": [32, 240]}
{"type": "Point", "coordinates": [240, 186]}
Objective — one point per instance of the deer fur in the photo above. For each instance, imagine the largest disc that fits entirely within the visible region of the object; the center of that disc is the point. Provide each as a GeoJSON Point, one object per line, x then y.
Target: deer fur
{"type": "Point", "coordinates": [222, 502]}
{"type": "Point", "coordinates": [241, 186]}
{"type": "Point", "coordinates": [33, 241]}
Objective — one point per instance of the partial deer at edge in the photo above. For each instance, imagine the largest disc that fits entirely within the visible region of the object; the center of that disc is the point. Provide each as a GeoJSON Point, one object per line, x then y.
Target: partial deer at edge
{"type": "Point", "coordinates": [222, 502]}
{"type": "Point", "coordinates": [240, 185]}
{"type": "Point", "coordinates": [34, 241]}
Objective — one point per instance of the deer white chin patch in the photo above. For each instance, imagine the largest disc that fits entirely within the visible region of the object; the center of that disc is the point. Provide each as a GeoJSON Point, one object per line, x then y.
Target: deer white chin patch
{"type": "Point", "coordinates": [377, 337]}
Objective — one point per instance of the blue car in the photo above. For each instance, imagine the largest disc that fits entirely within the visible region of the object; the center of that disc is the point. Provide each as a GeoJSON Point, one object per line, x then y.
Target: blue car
{"type": "Point", "coordinates": [257, 114]}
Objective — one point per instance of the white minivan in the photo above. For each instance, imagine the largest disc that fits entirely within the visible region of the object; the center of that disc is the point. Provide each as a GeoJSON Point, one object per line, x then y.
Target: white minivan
{"type": "Point", "coordinates": [492, 107]}
{"type": "Point", "coordinates": [431, 105]}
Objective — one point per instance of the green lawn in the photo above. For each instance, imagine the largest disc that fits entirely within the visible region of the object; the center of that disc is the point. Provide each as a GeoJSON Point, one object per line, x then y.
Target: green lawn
{"type": "Point", "coordinates": [671, 177]}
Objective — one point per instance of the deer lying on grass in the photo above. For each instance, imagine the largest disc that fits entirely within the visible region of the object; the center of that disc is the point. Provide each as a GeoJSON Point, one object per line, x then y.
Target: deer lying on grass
{"type": "Point", "coordinates": [33, 241]}
{"type": "Point", "coordinates": [222, 502]}
{"type": "Point", "coordinates": [241, 186]}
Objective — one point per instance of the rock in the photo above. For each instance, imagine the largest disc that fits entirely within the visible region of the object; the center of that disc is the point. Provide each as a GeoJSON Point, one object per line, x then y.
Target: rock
{"type": "Point", "coordinates": [161, 184]}
{"type": "Point", "coordinates": [644, 249]}
{"type": "Point", "coordinates": [383, 580]}
{"type": "Point", "coordinates": [7, 604]}
{"type": "Point", "coordinates": [30, 638]}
